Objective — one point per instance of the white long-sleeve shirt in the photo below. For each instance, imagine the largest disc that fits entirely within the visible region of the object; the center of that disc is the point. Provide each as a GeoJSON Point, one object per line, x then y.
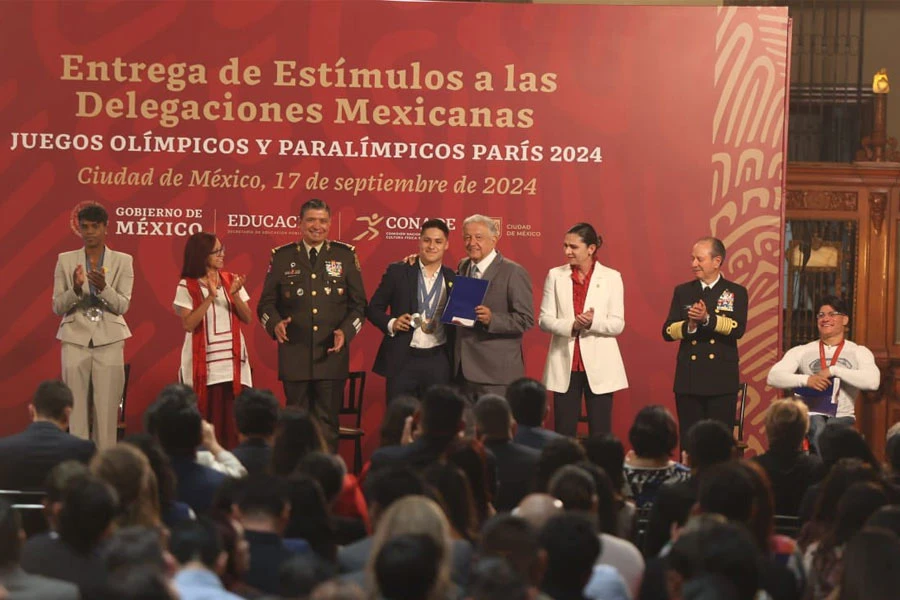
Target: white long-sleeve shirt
{"type": "Point", "coordinates": [855, 368]}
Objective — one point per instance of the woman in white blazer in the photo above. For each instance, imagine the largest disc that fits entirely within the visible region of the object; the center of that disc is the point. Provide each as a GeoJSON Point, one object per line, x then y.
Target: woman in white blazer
{"type": "Point", "coordinates": [583, 308]}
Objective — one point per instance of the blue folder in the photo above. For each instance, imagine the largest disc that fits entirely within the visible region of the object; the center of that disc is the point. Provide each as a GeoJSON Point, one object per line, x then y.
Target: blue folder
{"type": "Point", "coordinates": [465, 295]}
{"type": "Point", "coordinates": [818, 401]}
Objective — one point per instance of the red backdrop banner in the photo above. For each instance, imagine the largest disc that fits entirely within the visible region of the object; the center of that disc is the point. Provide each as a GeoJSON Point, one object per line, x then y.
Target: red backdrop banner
{"type": "Point", "coordinates": [657, 125]}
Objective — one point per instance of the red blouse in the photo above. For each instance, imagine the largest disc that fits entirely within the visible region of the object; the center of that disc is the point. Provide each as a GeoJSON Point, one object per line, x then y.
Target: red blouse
{"type": "Point", "coordinates": [579, 294]}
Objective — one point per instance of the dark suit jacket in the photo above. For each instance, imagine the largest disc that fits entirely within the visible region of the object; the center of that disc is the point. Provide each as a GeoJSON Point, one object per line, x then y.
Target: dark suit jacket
{"type": "Point", "coordinates": [49, 556]}
{"type": "Point", "coordinates": [493, 355]}
{"type": "Point", "coordinates": [397, 295]}
{"type": "Point", "coordinates": [791, 474]}
{"type": "Point", "coordinates": [27, 457]}
{"type": "Point", "coordinates": [197, 484]}
{"type": "Point", "coordinates": [24, 586]}
{"type": "Point", "coordinates": [267, 553]}
{"type": "Point", "coordinates": [418, 455]}
{"type": "Point", "coordinates": [516, 466]}
{"type": "Point", "coordinates": [707, 363]}
{"type": "Point", "coordinates": [255, 454]}
{"type": "Point", "coordinates": [534, 437]}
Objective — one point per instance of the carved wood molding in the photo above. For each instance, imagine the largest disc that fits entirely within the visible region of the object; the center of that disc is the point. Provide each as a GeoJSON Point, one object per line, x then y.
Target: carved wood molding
{"type": "Point", "coordinates": [877, 206]}
{"type": "Point", "coordinates": [822, 200]}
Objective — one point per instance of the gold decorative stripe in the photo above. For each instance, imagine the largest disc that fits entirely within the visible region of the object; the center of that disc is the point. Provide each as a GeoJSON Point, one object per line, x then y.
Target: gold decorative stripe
{"type": "Point", "coordinates": [725, 325]}
{"type": "Point", "coordinates": [676, 330]}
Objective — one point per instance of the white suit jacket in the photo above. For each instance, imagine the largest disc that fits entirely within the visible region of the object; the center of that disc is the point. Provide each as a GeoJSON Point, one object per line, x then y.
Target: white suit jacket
{"type": "Point", "coordinates": [599, 350]}
{"type": "Point", "coordinates": [115, 297]}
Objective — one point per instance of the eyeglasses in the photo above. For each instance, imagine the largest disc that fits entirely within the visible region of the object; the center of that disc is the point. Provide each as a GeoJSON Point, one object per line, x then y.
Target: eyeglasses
{"type": "Point", "coordinates": [832, 314]}
{"type": "Point", "coordinates": [219, 252]}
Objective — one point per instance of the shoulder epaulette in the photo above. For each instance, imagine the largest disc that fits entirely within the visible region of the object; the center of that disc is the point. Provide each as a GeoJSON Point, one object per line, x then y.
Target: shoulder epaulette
{"type": "Point", "coordinates": [274, 250]}
{"type": "Point", "coordinates": [349, 247]}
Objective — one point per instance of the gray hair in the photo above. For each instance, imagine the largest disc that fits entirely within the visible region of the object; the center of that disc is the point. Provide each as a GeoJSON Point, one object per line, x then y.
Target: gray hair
{"type": "Point", "coordinates": [486, 221]}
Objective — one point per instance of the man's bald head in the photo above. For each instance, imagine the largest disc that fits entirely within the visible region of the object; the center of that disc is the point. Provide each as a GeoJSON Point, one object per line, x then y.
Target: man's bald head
{"type": "Point", "coordinates": [537, 509]}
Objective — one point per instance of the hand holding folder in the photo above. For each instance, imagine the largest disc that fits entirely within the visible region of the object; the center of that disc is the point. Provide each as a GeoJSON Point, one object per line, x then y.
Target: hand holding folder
{"type": "Point", "coordinates": [820, 401]}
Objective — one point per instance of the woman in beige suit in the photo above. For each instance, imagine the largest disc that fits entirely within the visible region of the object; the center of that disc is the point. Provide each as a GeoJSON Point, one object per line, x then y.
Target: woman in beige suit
{"type": "Point", "coordinates": [583, 308]}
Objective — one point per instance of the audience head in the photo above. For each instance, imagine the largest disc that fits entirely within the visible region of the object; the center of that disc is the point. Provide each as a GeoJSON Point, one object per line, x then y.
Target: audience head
{"type": "Point", "coordinates": [440, 413]}
{"type": "Point", "coordinates": [607, 452]}
{"type": "Point", "coordinates": [235, 545]}
{"type": "Point", "coordinates": [470, 456]}
{"type": "Point", "coordinates": [137, 546]}
{"type": "Point", "coordinates": [514, 539]}
{"type": "Point", "coordinates": [198, 542]}
{"type": "Point", "coordinates": [89, 506]}
{"type": "Point", "coordinates": [838, 441]}
{"type": "Point", "coordinates": [575, 488]}
{"type": "Point", "coordinates": [886, 517]}
{"type": "Point", "coordinates": [159, 463]}
{"type": "Point", "coordinates": [495, 579]}
{"type": "Point", "coordinates": [493, 418]}
{"type": "Point", "coordinates": [856, 505]}
{"type": "Point", "coordinates": [709, 546]}
{"type": "Point", "coordinates": [264, 503]}
{"type": "Point", "coordinates": [607, 509]}
{"type": "Point", "coordinates": [52, 401]}
{"type": "Point", "coordinates": [256, 413]}
{"type": "Point", "coordinates": [845, 473]}
{"type": "Point", "coordinates": [128, 471]}
{"type": "Point", "coordinates": [175, 421]}
{"type": "Point", "coordinates": [572, 548]}
{"type": "Point", "coordinates": [337, 590]}
{"type": "Point", "coordinates": [399, 409]}
{"type": "Point", "coordinates": [327, 469]}
{"type": "Point", "coordinates": [727, 490]}
{"type": "Point", "coordinates": [415, 515]}
{"type": "Point", "coordinates": [871, 566]}
{"type": "Point", "coordinates": [654, 433]}
{"type": "Point", "coordinates": [558, 453]}
{"type": "Point", "coordinates": [310, 519]}
{"type": "Point", "coordinates": [707, 443]}
{"type": "Point", "coordinates": [454, 494]}
{"type": "Point", "coordinates": [12, 536]}
{"type": "Point", "coordinates": [141, 583]}
{"type": "Point", "coordinates": [55, 485]}
{"type": "Point", "coordinates": [528, 401]}
{"type": "Point", "coordinates": [299, 575]}
{"type": "Point", "coordinates": [385, 486]}
{"type": "Point", "coordinates": [892, 454]}
{"type": "Point", "coordinates": [787, 422]}
{"type": "Point", "coordinates": [537, 509]}
{"type": "Point", "coordinates": [296, 435]}
{"type": "Point", "coordinates": [406, 567]}
{"type": "Point", "coordinates": [762, 522]}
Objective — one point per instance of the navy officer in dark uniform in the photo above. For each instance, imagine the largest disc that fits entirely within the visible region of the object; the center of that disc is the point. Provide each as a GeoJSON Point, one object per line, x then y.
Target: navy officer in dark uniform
{"type": "Point", "coordinates": [313, 303]}
{"type": "Point", "coordinates": [707, 316]}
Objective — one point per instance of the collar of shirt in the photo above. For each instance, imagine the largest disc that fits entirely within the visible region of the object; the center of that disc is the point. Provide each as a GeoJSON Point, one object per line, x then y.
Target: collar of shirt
{"type": "Point", "coordinates": [486, 262]}
{"type": "Point", "coordinates": [318, 247]}
{"type": "Point", "coordinates": [587, 276]}
{"type": "Point", "coordinates": [425, 273]}
{"type": "Point", "coordinates": [708, 286]}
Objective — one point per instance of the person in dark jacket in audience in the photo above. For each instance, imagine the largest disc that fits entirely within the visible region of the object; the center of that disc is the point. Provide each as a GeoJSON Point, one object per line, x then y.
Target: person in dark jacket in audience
{"type": "Point", "coordinates": [528, 400]}
{"type": "Point", "coordinates": [256, 414]}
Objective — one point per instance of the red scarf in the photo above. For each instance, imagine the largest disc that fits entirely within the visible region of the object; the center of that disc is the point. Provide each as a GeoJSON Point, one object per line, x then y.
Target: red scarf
{"type": "Point", "coordinates": [198, 340]}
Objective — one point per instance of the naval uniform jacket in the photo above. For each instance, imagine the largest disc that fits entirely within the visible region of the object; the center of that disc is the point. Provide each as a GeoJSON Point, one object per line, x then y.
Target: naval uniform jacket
{"type": "Point", "coordinates": [707, 363]}
{"type": "Point", "coordinates": [319, 300]}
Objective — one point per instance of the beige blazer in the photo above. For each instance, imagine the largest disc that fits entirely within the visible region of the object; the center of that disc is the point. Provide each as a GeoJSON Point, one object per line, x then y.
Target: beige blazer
{"type": "Point", "coordinates": [115, 298]}
{"type": "Point", "coordinates": [599, 349]}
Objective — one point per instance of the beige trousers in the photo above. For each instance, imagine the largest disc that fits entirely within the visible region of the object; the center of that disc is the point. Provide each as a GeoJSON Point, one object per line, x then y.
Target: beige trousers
{"type": "Point", "coordinates": [96, 377]}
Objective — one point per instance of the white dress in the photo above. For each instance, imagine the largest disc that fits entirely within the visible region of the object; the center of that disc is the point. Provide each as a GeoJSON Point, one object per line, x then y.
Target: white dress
{"type": "Point", "coordinates": [217, 322]}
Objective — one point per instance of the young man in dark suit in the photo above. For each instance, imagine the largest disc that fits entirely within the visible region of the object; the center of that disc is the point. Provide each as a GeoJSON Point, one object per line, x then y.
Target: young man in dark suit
{"type": "Point", "coordinates": [27, 457]}
{"type": "Point", "coordinates": [407, 308]}
{"type": "Point", "coordinates": [256, 414]}
{"type": "Point", "coordinates": [707, 317]}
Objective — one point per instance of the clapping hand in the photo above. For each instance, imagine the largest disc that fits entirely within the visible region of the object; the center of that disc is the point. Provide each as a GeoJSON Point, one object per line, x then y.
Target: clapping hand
{"type": "Point", "coordinates": [78, 278]}
{"type": "Point", "coordinates": [237, 283]}
{"type": "Point", "coordinates": [97, 277]}
{"type": "Point", "coordinates": [584, 320]}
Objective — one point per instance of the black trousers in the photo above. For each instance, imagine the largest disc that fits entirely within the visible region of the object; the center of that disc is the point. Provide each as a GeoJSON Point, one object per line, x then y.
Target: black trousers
{"type": "Point", "coordinates": [424, 368]}
{"type": "Point", "coordinates": [692, 409]}
{"type": "Point", "coordinates": [567, 407]}
{"type": "Point", "coordinates": [322, 398]}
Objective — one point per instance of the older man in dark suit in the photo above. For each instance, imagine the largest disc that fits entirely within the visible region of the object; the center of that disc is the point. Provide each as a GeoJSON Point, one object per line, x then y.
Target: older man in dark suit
{"type": "Point", "coordinates": [489, 354]}
{"type": "Point", "coordinates": [407, 308]}
{"type": "Point", "coordinates": [27, 457]}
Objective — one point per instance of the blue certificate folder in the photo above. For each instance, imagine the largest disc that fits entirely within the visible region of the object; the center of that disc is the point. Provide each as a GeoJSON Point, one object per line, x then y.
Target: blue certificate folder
{"type": "Point", "coordinates": [824, 402]}
{"type": "Point", "coordinates": [465, 295]}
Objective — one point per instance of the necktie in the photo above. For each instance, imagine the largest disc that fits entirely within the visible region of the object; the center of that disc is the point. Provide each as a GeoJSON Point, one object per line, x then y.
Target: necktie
{"type": "Point", "coordinates": [476, 272]}
{"type": "Point", "coordinates": [313, 255]}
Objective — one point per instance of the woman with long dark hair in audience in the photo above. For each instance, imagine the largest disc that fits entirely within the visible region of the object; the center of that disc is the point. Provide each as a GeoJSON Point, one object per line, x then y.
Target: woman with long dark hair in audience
{"type": "Point", "coordinates": [310, 520]}
{"type": "Point", "coordinates": [212, 303]}
{"type": "Point", "coordinates": [171, 511]}
{"type": "Point", "coordinates": [470, 456]}
{"type": "Point", "coordinates": [583, 308]}
{"type": "Point", "coordinates": [649, 464]}
{"type": "Point", "coordinates": [606, 451]}
{"type": "Point", "coordinates": [823, 559]}
{"type": "Point", "coordinates": [454, 494]}
{"type": "Point", "coordinates": [871, 569]}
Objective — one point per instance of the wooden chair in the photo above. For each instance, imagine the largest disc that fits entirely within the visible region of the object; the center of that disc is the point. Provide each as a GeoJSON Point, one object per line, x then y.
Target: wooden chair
{"type": "Point", "coordinates": [739, 418]}
{"type": "Point", "coordinates": [788, 525]}
{"type": "Point", "coordinates": [120, 428]}
{"type": "Point", "coordinates": [352, 404]}
{"type": "Point", "coordinates": [30, 506]}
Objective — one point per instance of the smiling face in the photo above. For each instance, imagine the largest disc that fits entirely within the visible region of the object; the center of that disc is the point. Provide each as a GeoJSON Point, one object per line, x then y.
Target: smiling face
{"type": "Point", "coordinates": [216, 258]}
{"type": "Point", "coordinates": [479, 240]}
{"type": "Point", "coordinates": [705, 267]}
{"type": "Point", "coordinates": [314, 226]}
{"type": "Point", "coordinates": [93, 233]}
{"type": "Point", "coordinates": [432, 246]}
{"type": "Point", "coordinates": [831, 322]}
{"type": "Point", "coordinates": [577, 252]}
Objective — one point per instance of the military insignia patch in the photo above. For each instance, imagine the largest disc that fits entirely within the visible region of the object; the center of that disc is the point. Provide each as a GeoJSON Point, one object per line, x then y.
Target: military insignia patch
{"type": "Point", "coordinates": [726, 301]}
{"type": "Point", "coordinates": [334, 268]}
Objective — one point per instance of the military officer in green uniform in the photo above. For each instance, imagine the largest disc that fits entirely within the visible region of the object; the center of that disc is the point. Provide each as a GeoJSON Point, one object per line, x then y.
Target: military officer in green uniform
{"type": "Point", "coordinates": [707, 317]}
{"type": "Point", "coordinates": [313, 303]}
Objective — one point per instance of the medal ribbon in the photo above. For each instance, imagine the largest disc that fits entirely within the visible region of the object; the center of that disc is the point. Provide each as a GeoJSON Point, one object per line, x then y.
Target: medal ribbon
{"type": "Point", "coordinates": [428, 300]}
{"type": "Point", "coordinates": [834, 358]}
{"type": "Point", "coordinates": [87, 263]}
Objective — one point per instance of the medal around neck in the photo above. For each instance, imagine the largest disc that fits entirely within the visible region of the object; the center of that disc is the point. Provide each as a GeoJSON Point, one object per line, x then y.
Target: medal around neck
{"type": "Point", "coordinates": [415, 320]}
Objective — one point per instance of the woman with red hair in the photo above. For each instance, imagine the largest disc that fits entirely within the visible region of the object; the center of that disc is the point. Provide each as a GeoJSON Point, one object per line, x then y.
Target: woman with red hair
{"type": "Point", "coordinates": [211, 302]}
